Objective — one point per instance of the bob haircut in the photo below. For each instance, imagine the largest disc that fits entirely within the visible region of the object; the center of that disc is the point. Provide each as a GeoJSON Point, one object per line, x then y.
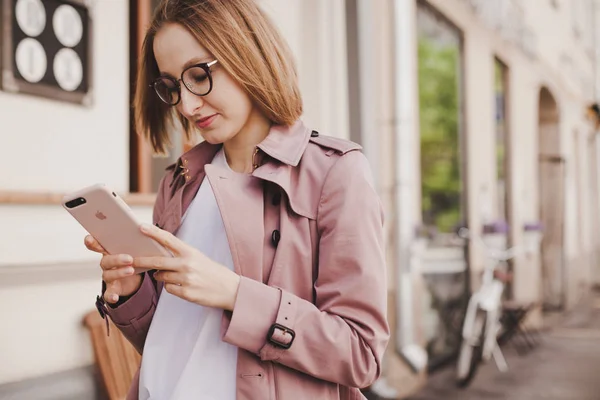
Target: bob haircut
{"type": "Point", "coordinates": [248, 46]}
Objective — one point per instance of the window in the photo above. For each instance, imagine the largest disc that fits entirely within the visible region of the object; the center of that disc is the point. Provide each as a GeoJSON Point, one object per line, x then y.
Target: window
{"type": "Point", "coordinates": [443, 202]}
{"type": "Point", "coordinates": [439, 53]}
{"type": "Point", "coordinates": [502, 143]}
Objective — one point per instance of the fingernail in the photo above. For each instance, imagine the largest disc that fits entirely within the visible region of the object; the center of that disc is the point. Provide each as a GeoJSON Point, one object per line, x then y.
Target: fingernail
{"type": "Point", "coordinates": [114, 298]}
{"type": "Point", "coordinates": [126, 258]}
{"type": "Point", "coordinates": [145, 227]}
{"type": "Point", "coordinates": [129, 271]}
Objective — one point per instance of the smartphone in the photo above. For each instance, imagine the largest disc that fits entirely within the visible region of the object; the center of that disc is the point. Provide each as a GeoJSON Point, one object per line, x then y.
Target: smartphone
{"type": "Point", "coordinates": [105, 216]}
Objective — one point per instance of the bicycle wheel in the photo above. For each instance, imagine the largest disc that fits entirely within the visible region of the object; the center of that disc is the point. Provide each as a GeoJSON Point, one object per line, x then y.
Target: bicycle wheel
{"type": "Point", "coordinates": [471, 350]}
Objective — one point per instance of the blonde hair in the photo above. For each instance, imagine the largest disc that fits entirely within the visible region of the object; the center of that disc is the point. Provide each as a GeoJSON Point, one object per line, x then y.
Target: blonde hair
{"type": "Point", "coordinates": [248, 46]}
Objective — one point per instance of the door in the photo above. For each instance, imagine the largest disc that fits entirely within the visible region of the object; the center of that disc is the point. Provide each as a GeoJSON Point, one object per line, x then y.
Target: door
{"type": "Point", "coordinates": [552, 197]}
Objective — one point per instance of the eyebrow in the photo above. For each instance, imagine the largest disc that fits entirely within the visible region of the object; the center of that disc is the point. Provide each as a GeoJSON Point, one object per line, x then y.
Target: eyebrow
{"type": "Point", "coordinates": [189, 63]}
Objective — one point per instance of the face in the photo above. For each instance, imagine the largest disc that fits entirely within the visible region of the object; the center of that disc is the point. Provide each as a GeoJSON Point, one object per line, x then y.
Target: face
{"type": "Point", "coordinates": [226, 110]}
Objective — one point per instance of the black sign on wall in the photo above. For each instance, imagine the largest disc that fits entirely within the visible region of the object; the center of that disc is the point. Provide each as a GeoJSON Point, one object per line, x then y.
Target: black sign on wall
{"type": "Point", "coordinates": [47, 49]}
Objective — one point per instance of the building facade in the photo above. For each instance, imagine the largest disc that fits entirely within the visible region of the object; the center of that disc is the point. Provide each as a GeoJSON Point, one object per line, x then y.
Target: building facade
{"type": "Point", "coordinates": [471, 113]}
{"type": "Point", "coordinates": [490, 121]}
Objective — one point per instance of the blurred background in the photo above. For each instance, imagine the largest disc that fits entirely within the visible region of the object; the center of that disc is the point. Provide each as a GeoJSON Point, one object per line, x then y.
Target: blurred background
{"type": "Point", "coordinates": [477, 113]}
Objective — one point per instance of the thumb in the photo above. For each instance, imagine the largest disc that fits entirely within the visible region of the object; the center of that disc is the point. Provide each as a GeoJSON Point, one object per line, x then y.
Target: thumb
{"type": "Point", "coordinates": [113, 290]}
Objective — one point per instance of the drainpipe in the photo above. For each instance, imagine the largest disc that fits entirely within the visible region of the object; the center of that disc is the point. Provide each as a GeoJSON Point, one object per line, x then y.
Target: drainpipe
{"type": "Point", "coordinates": [596, 33]}
{"type": "Point", "coordinates": [361, 84]}
{"type": "Point", "coordinates": [406, 174]}
{"type": "Point", "coordinates": [362, 92]}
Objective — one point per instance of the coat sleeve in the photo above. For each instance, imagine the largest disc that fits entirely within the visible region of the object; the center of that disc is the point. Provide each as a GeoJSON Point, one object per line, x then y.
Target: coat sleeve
{"type": "Point", "coordinates": [133, 317]}
{"type": "Point", "coordinates": [342, 336]}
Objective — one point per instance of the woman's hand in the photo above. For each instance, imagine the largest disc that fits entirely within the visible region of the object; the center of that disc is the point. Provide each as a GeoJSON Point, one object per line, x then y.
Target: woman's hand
{"type": "Point", "coordinates": [189, 274]}
{"type": "Point", "coordinates": [117, 272]}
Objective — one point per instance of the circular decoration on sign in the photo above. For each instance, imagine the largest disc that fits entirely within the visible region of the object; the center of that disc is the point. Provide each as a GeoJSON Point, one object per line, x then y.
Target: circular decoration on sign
{"type": "Point", "coordinates": [68, 69]}
{"type": "Point", "coordinates": [30, 58]}
{"type": "Point", "coordinates": [31, 16]}
{"type": "Point", "coordinates": [67, 25]}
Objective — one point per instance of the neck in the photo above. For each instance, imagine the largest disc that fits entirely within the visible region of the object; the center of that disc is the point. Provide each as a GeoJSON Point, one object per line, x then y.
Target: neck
{"type": "Point", "coordinates": [239, 151]}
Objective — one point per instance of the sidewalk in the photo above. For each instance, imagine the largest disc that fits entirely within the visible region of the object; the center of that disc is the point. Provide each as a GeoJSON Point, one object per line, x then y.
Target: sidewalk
{"type": "Point", "coordinates": [565, 366]}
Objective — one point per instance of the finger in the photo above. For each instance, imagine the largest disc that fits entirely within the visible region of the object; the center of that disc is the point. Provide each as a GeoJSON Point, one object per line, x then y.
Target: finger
{"type": "Point", "coordinates": [176, 290]}
{"type": "Point", "coordinates": [111, 295]}
{"type": "Point", "coordinates": [159, 263]}
{"type": "Point", "coordinates": [93, 245]}
{"type": "Point", "coordinates": [164, 238]}
{"type": "Point", "coordinates": [176, 278]}
{"type": "Point", "coordinates": [111, 275]}
{"type": "Point", "coordinates": [110, 261]}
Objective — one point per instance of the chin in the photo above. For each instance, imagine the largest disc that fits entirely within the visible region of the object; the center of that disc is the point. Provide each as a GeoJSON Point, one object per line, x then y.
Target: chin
{"type": "Point", "coordinates": [215, 137]}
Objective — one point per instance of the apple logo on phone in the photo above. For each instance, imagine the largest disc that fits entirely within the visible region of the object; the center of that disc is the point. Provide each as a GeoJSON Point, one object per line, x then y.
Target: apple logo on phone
{"type": "Point", "coordinates": [100, 216]}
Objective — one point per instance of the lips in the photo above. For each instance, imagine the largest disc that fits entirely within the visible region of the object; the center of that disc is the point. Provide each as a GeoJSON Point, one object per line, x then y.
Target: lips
{"type": "Point", "coordinates": [205, 122]}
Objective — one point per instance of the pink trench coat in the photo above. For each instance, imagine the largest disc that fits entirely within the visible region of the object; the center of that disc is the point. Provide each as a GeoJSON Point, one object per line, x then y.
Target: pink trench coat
{"type": "Point", "coordinates": [306, 236]}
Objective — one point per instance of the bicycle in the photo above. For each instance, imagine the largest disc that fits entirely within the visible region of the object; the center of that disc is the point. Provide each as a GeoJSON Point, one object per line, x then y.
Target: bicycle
{"type": "Point", "coordinates": [482, 322]}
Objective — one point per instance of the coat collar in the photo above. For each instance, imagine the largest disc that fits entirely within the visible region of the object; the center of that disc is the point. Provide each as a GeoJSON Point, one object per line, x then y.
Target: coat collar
{"type": "Point", "coordinates": [286, 143]}
{"type": "Point", "coordinates": [283, 143]}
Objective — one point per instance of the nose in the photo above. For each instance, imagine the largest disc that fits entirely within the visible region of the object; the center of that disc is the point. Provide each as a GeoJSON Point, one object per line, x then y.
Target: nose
{"type": "Point", "coordinates": [190, 103]}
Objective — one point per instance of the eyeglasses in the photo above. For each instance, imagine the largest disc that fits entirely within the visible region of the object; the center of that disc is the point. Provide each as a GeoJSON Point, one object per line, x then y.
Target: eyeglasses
{"type": "Point", "coordinates": [196, 78]}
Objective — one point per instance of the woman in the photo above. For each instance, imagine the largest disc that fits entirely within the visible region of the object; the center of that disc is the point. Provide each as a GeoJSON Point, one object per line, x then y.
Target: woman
{"type": "Point", "coordinates": [276, 288]}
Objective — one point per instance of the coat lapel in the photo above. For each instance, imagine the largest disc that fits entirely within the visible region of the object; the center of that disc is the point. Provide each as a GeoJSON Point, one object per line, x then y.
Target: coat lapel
{"type": "Point", "coordinates": [286, 145]}
{"type": "Point", "coordinates": [171, 218]}
{"type": "Point", "coordinates": [240, 200]}
{"type": "Point", "coordinates": [240, 197]}
{"type": "Point", "coordinates": [286, 177]}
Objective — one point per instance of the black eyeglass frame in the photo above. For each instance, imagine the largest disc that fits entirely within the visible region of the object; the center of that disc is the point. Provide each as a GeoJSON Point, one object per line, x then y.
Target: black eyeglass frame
{"type": "Point", "coordinates": [206, 66]}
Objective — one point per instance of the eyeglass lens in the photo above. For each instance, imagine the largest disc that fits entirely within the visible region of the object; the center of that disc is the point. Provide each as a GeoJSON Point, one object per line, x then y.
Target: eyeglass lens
{"type": "Point", "coordinates": [196, 79]}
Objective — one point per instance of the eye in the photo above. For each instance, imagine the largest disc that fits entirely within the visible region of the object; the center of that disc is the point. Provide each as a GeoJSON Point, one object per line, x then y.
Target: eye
{"type": "Point", "coordinates": [195, 75]}
{"type": "Point", "coordinates": [199, 77]}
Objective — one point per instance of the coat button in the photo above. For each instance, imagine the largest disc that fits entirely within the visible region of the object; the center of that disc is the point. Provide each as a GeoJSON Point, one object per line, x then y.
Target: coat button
{"type": "Point", "coordinates": [276, 199]}
{"type": "Point", "coordinates": [275, 237]}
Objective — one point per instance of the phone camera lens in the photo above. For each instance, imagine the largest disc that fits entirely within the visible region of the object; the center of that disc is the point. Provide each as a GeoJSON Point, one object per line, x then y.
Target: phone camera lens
{"type": "Point", "coordinates": [76, 202]}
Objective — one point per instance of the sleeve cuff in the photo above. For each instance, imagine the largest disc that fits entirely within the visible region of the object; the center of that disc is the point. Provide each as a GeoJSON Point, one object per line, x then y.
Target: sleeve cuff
{"type": "Point", "coordinates": [248, 328]}
{"type": "Point", "coordinates": [137, 305]}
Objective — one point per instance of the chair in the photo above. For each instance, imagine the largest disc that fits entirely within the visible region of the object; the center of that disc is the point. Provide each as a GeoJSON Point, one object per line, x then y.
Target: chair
{"type": "Point", "coordinates": [116, 358]}
{"type": "Point", "coordinates": [513, 317]}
